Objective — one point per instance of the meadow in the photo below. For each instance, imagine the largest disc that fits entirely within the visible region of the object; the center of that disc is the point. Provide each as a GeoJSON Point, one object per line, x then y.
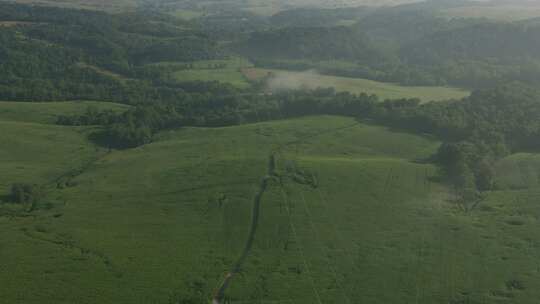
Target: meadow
{"type": "Point", "coordinates": [502, 11]}
{"type": "Point", "coordinates": [186, 14]}
{"type": "Point", "coordinates": [225, 71]}
{"type": "Point", "coordinates": [350, 211]}
{"type": "Point", "coordinates": [281, 79]}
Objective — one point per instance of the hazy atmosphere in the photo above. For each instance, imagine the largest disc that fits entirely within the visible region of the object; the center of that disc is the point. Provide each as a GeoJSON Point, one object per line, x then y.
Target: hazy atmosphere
{"type": "Point", "coordinates": [250, 151]}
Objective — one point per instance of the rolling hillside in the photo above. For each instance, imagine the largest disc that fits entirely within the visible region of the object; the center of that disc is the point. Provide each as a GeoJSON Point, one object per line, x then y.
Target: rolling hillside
{"type": "Point", "coordinates": [343, 211]}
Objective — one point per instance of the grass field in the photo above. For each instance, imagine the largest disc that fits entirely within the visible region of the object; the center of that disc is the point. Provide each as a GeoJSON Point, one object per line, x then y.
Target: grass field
{"type": "Point", "coordinates": [230, 76]}
{"type": "Point", "coordinates": [34, 150]}
{"type": "Point", "coordinates": [280, 79]}
{"type": "Point", "coordinates": [270, 7]}
{"type": "Point", "coordinates": [351, 213]}
{"type": "Point", "coordinates": [186, 14]}
{"type": "Point", "coordinates": [226, 71]}
{"type": "Point", "coordinates": [504, 12]}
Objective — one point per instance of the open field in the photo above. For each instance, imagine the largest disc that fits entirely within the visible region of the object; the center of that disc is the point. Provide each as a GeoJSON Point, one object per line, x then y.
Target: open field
{"type": "Point", "coordinates": [505, 12]}
{"type": "Point", "coordinates": [34, 150]}
{"type": "Point", "coordinates": [280, 79]}
{"type": "Point", "coordinates": [226, 71]}
{"type": "Point", "coordinates": [186, 14]}
{"type": "Point", "coordinates": [347, 212]}
{"type": "Point", "coordinates": [37, 153]}
{"type": "Point", "coordinates": [230, 76]}
{"type": "Point", "coordinates": [271, 7]}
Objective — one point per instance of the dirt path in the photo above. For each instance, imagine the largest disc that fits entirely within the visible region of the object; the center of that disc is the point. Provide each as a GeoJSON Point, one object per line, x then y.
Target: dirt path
{"type": "Point", "coordinates": [220, 294]}
{"type": "Point", "coordinates": [271, 173]}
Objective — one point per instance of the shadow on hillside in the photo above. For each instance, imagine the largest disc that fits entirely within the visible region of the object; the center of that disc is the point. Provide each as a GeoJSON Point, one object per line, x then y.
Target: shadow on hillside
{"type": "Point", "coordinates": [438, 179]}
{"type": "Point", "coordinates": [102, 139]}
{"type": "Point", "coordinates": [5, 198]}
{"type": "Point", "coordinates": [395, 128]}
{"type": "Point", "coordinates": [99, 138]}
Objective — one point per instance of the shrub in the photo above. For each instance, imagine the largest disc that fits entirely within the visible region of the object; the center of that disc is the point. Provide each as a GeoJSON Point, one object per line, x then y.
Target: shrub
{"type": "Point", "coordinates": [25, 193]}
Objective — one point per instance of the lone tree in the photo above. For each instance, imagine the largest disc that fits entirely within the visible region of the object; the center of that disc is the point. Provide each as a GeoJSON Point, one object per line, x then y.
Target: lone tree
{"type": "Point", "coordinates": [25, 193]}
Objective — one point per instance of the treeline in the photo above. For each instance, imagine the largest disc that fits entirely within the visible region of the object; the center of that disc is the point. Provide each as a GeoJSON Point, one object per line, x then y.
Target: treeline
{"type": "Point", "coordinates": [136, 126]}
{"type": "Point", "coordinates": [114, 90]}
{"type": "Point", "coordinates": [476, 131]}
{"type": "Point", "coordinates": [26, 195]}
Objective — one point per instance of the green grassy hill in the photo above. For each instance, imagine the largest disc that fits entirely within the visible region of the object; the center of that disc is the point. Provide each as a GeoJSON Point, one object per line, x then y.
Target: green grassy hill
{"type": "Point", "coordinates": [34, 150]}
{"type": "Point", "coordinates": [348, 211]}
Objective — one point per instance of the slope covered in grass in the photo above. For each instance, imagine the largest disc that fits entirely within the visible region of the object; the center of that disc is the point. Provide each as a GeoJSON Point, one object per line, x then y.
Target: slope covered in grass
{"type": "Point", "coordinates": [36, 151]}
{"type": "Point", "coordinates": [348, 211]}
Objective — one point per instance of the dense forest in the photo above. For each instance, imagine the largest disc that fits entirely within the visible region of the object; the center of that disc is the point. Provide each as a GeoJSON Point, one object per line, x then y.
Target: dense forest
{"type": "Point", "coordinates": [313, 43]}
{"type": "Point", "coordinates": [61, 54]}
{"type": "Point", "coordinates": [76, 54]}
{"type": "Point", "coordinates": [411, 47]}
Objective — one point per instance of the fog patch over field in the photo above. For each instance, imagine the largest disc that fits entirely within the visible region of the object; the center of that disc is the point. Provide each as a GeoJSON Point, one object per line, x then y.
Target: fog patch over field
{"type": "Point", "coordinates": [282, 81]}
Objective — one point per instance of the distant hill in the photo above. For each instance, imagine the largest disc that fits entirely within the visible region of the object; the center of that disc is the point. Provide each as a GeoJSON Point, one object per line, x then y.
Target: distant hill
{"type": "Point", "coordinates": [109, 5]}
{"type": "Point", "coordinates": [489, 41]}
{"type": "Point", "coordinates": [317, 43]}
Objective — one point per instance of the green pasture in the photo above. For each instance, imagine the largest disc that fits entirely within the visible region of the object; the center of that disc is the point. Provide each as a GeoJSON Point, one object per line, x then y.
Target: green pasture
{"type": "Point", "coordinates": [351, 212]}
{"type": "Point", "coordinates": [281, 79]}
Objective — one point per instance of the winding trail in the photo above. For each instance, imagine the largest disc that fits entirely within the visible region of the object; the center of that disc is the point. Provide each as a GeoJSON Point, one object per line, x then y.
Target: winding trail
{"type": "Point", "coordinates": [220, 294]}
{"type": "Point", "coordinates": [271, 173]}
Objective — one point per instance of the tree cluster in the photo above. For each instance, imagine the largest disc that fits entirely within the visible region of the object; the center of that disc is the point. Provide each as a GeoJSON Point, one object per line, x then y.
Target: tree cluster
{"type": "Point", "coordinates": [22, 193]}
